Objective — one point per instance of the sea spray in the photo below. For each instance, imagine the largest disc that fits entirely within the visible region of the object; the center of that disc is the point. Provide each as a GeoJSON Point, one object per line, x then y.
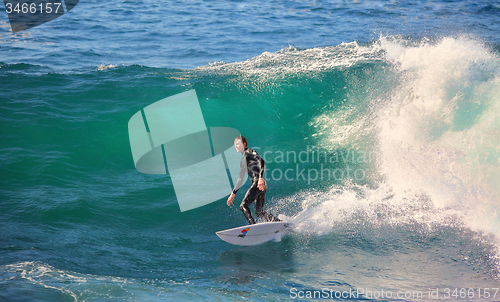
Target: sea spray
{"type": "Point", "coordinates": [439, 132]}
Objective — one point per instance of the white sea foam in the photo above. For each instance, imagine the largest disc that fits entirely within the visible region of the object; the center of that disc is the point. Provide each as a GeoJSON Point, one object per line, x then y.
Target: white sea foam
{"type": "Point", "coordinates": [87, 287]}
{"type": "Point", "coordinates": [290, 61]}
{"type": "Point", "coordinates": [440, 132]}
{"type": "Point", "coordinates": [437, 133]}
{"type": "Point", "coordinates": [106, 67]}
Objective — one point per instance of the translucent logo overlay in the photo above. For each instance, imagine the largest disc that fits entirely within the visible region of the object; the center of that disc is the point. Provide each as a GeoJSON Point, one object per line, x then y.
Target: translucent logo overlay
{"type": "Point", "coordinates": [25, 14]}
{"type": "Point", "coordinates": [171, 135]}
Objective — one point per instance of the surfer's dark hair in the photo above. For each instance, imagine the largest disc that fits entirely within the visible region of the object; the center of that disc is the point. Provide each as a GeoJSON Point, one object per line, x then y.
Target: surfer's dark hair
{"type": "Point", "coordinates": [242, 139]}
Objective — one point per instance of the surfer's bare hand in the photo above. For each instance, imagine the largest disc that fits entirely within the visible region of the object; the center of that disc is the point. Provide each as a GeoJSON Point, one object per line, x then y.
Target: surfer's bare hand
{"type": "Point", "coordinates": [230, 199]}
{"type": "Point", "coordinates": [261, 185]}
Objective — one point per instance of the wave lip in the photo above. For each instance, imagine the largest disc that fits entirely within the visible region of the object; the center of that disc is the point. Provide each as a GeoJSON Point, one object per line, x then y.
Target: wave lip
{"type": "Point", "coordinates": [291, 61]}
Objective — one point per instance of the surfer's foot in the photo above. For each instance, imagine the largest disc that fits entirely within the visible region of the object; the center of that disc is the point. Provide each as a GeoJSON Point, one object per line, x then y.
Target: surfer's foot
{"type": "Point", "coordinates": [267, 216]}
{"type": "Point", "coordinates": [272, 218]}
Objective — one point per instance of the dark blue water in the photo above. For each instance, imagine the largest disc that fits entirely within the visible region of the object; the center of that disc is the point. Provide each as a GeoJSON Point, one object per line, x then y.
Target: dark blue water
{"type": "Point", "coordinates": [398, 100]}
{"type": "Point", "coordinates": [187, 34]}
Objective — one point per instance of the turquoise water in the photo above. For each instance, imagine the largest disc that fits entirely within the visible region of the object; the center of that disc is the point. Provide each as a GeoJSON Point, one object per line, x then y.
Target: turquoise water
{"type": "Point", "coordinates": [397, 100]}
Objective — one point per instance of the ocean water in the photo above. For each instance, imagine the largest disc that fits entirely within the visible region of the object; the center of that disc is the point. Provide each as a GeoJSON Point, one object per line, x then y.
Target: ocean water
{"type": "Point", "coordinates": [379, 122]}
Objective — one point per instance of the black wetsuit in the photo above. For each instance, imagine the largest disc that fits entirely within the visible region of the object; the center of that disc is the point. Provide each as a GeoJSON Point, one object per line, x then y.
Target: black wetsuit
{"type": "Point", "coordinates": [254, 165]}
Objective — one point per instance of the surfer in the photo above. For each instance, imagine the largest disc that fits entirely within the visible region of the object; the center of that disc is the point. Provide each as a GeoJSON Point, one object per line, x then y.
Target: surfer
{"type": "Point", "coordinates": [254, 165]}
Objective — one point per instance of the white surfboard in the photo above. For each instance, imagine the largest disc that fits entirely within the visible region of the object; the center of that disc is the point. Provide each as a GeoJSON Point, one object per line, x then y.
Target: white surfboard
{"type": "Point", "coordinates": [256, 233]}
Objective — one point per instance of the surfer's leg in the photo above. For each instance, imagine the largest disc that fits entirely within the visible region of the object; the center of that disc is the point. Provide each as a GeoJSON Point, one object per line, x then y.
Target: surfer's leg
{"type": "Point", "coordinates": [247, 201]}
{"type": "Point", "coordinates": [259, 207]}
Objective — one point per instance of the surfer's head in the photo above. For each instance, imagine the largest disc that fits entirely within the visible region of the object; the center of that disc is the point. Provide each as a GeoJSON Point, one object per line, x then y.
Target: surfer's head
{"type": "Point", "coordinates": [240, 143]}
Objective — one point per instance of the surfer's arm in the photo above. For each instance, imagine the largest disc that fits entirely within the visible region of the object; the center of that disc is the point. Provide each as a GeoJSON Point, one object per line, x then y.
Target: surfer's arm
{"type": "Point", "coordinates": [262, 169]}
{"type": "Point", "coordinates": [241, 177]}
{"type": "Point", "coordinates": [262, 166]}
{"type": "Point", "coordinates": [239, 182]}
